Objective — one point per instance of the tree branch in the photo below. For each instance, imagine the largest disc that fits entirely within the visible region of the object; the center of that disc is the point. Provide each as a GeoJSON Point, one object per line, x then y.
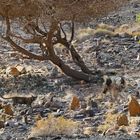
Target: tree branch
{"type": "Point", "coordinates": [72, 32]}
{"type": "Point", "coordinates": [65, 35]}
{"type": "Point", "coordinates": [75, 56]}
{"type": "Point", "coordinates": [40, 31]}
{"type": "Point", "coordinates": [35, 39]}
{"type": "Point", "coordinates": [23, 51]}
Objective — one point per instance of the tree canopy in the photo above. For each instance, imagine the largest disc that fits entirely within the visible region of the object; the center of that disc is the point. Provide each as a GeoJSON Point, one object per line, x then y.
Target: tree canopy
{"type": "Point", "coordinates": [80, 10]}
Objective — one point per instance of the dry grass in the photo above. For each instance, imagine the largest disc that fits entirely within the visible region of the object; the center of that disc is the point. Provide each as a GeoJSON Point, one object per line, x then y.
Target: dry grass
{"type": "Point", "coordinates": [104, 29]}
{"type": "Point", "coordinates": [82, 33]}
{"type": "Point", "coordinates": [103, 32]}
{"type": "Point", "coordinates": [85, 33]}
{"type": "Point", "coordinates": [110, 121]}
{"type": "Point", "coordinates": [55, 126]}
{"type": "Point", "coordinates": [133, 29]}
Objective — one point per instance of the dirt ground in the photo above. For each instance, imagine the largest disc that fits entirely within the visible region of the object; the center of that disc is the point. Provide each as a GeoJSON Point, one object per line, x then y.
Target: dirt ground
{"type": "Point", "coordinates": [117, 54]}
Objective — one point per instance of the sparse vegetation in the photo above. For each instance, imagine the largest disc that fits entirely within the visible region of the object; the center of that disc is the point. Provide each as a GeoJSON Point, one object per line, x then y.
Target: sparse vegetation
{"type": "Point", "coordinates": [109, 122]}
{"type": "Point", "coordinates": [53, 126]}
{"type": "Point", "coordinates": [41, 38]}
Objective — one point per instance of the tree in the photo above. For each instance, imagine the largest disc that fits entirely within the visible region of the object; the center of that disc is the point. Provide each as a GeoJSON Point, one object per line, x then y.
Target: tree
{"type": "Point", "coordinates": [41, 22]}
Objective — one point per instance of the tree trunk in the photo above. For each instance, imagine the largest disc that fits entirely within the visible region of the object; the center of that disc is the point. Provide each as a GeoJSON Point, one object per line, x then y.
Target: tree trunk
{"type": "Point", "coordinates": [69, 71]}
{"type": "Point", "coordinates": [78, 60]}
{"type": "Point", "coordinates": [75, 56]}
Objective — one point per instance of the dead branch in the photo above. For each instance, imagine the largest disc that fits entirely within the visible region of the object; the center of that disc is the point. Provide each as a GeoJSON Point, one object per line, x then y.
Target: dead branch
{"type": "Point", "coordinates": [23, 51]}
{"type": "Point", "coordinates": [72, 32]}
{"type": "Point", "coordinates": [75, 56]}
{"type": "Point", "coordinates": [35, 39]}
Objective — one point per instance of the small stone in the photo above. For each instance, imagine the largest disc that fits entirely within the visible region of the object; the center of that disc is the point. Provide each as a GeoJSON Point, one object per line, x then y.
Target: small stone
{"type": "Point", "coordinates": [21, 69]}
{"type": "Point", "coordinates": [136, 129]}
{"type": "Point", "coordinates": [134, 107]}
{"type": "Point", "coordinates": [122, 120]}
{"type": "Point", "coordinates": [58, 113]}
{"type": "Point", "coordinates": [92, 103]}
{"type": "Point", "coordinates": [75, 103]}
{"type": "Point", "coordinates": [54, 72]}
{"type": "Point", "coordinates": [32, 138]}
{"type": "Point", "coordinates": [30, 111]}
{"type": "Point", "coordinates": [1, 124]}
{"type": "Point", "coordinates": [1, 106]}
{"type": "Point", "coordinates": [87, 119]}
{"type": "Point", "coordinates": [12, 71]}
{"type": "Point", "coordinates": [25, 119]}
{"type": "Point", "coordinates": [89, 131]}
{"type": "Point", "coordinates": [8, 110]}
{"type": "Point", "coordinates": [83, 105]}
{"type": "Point", "coordinates": [122, 129]}
{"type": "Point", "coordinates": [89, 111]}
{"type": "Point", "coordinates": [22, 128]}
{"type": "Point", "coordinates": [8, 137]}
{"type": "Point", "coordinates": [29, 69]}
{"type": "Point", "coordinates": [10, 123]}
{"type": "Point", "coordinates": [79, 116]}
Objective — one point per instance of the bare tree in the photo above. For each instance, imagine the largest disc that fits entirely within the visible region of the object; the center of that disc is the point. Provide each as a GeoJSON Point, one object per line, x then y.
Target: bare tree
{"type": "Point", "coordinates": [41, 22]}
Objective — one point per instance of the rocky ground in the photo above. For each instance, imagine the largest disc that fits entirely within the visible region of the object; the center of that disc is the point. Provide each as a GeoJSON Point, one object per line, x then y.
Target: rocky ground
{"type": "Point", "coordinates": [115, 51]}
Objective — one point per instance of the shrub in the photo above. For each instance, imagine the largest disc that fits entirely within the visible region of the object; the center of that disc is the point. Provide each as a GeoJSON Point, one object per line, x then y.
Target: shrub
{"type": "Point", "coordinates": [55, 126]}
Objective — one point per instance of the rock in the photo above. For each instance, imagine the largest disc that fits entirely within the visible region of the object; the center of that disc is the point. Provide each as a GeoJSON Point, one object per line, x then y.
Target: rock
{"type": "Point", "coordinates": [88, 119]}
{"type": "Point", "coordinates": [92, 103]}
{"type": "Point", "coordinates": [32, 138]}
{"type": "Point", "coordinates": [136, 129]}
{"type": "Point", "coordinates": [29, 111]}
{"type": "Point", "coordinates": [25, 119]}
{"type": "Point", "coordinates": [1, 106]}
{"type": "Point", "coordinates": [75, 103]}
{"type": "Point", "coordinates": [89, 111]}
{"type": "Point", "coordinates": [123, 129]}
{"type": "Point", "coordinates": [12, 71]}
{"type": "Point", "coordinates": [110, 131]}
{"type": "Point", "coordinates": [79, 116]}
{"type": "Point", "coordinates": [8, 137]}
{"type": "Point", "coordinates": [1, 124]}
{"type": "Point", "coordinates": [122, 120]}
{"type": "Point", "coordinates": [58, 113]}
{"type": "Point", "coordinates": [21, 69]}
{"type": "Point", "coordinates": [134, 122]}
{"type": "Point", "coordinates": [8, 110]}
{"type": "Point", "coordinates": [22, 128]}
{"type": "Point", "coordinates": [54, 72]}
{"type": "Point", "coordinates": [38, 102]}
{"type": "Point", "coordinates": [68, 95]}
{"type": "Point", "coordinates": [134, 107]}
{"type": "Point", "coordinates": [29, 69]}
{"type": "Point", "coordinates": [89, 131]}
{"type": "Point", "coordinates": [83, 105]}
{"type": "Point", "coordinates": [11, 123]}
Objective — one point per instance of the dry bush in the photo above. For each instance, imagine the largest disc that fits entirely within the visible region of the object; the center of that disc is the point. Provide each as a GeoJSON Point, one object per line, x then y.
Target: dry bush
{"type": "Point", "coordinates": [110, 121]}
{"type": "Point", "coordinates": [55, 126]}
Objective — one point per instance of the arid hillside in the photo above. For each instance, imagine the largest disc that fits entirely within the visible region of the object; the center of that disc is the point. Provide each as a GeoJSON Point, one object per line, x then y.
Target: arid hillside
{"type": "Point", "coordinates": [39, 101]}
